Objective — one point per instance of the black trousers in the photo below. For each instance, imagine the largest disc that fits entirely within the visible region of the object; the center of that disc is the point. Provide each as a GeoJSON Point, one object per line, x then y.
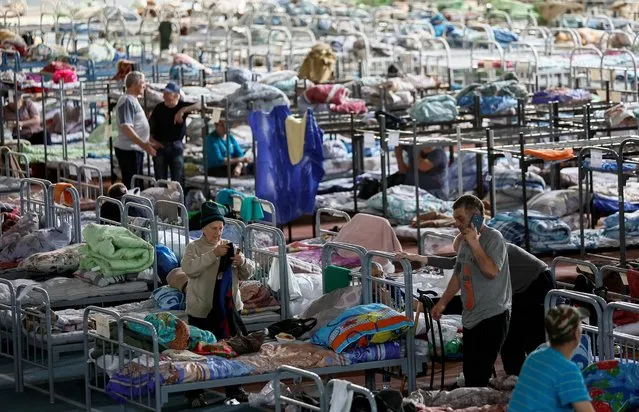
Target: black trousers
{"type": "Point", "coordinates": [131, 162]}
{"type": "Point", "coordinates": [527, 329]}
{"type": "Point", "coordinates": [481, 347]}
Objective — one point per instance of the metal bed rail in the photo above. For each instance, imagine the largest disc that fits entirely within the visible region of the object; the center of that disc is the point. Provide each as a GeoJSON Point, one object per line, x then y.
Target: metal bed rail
{"type": "Point", "coordinates": [34, 198]}
{"type": "Point", "coordinates": [144, 227]}
{"type": "Point", "coordinates": [105, 200]}
{"type": "Point", "coordinates": [9, 325]}
{"type": "Point", "coordinates": [172, 223]}
{"type": "Point", "coordinates": [330, 212]}
{"type": "Point", "coordinates": [596, 332]}
{"type": "Point", "coordinates": [237, 203]}
{"type": "Point", "coordinates": [266, 260]}
{"type": "Point", "coordinates": [61, 211]}
{"type": "Point", "coordinates": [620, 345]}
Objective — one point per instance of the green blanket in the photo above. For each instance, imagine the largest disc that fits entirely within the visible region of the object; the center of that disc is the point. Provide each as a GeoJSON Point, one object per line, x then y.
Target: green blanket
{"type": "Point", "coordinates": [114, 250]}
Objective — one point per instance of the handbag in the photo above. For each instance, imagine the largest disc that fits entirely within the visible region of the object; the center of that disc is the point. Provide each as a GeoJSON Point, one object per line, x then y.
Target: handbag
{"type": "Point", "coordinates": [294, 327]}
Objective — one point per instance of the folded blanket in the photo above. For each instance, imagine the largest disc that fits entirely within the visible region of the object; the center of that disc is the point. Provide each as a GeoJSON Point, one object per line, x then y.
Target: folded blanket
{"type": "Point", "coordinates": [114, 250]}
{"type": "Point", "coordinates": [542, 229]}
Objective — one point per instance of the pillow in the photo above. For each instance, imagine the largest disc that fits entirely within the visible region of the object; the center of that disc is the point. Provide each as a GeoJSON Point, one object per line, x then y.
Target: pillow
{"type": "Point", "coordinates": [362, 325]}
{"type": "Point", "coordinates": [58, 261]}
{"type": "Point", "coordinates": [329, 306]}
{"type": "Point", "coordinates": [168, 298]}
{"type": "Point", "coordinates": [556, 202]}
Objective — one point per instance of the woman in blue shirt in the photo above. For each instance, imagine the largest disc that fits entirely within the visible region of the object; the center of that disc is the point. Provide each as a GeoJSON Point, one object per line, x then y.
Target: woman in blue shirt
{"type": "Point", "coordinates": [549, 380]}
{"type": "Point", "coordinates": [217, 158]}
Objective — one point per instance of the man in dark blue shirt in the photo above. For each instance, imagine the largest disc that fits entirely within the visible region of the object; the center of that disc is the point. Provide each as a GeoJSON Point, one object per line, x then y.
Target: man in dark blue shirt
{"type": "Point", "coordinates": [432, 168]}
{"type": "Point", "coordinates": [167, 134]}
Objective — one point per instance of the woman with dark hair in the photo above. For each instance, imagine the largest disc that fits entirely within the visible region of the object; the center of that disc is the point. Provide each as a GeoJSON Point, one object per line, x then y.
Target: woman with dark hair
{"type": "Point", "coordinates": [26, 117]}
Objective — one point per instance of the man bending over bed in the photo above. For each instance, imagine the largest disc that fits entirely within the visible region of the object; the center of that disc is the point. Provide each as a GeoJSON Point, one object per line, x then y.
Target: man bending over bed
{"type": "Point", "coordinates": [214, 268]}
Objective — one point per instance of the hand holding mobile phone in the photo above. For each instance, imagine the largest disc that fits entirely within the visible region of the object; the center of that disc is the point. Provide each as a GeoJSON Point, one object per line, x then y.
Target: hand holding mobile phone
{"type": "Point", "coordinates": [477, 221]}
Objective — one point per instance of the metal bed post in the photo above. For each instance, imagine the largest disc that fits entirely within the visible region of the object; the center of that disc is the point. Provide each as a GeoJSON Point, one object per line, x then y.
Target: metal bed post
{"type": "Point", "coordinates": [228, 142]}
{"type": "Point", "coordinates": [44, 125]}
{"type": "Point", "coordinates": [478, 157]}
{"type": "Point", "coordinates": [301, 374]}
{"type": "Point", "coordinates": [356, 389]}
{"type": "Point", "coordinates": [524, 167]}
{"type": "Point", "coordinates": [460, 166]}
{"type": "Point", "coordinates": [205, 133]}
{"type": "Point", "coordinates": [416, 160]}
{"type": "Point", "coordinates": [82, 119]}
{"type": "Point", "coordinates": [490, 135]}
{"type": "Point", "coordinates": [2, 102]}
{"type": "Point", "coordinates": [15, 101]}
{"type": "Point", "coordinates": [63, 122]}
{"type": "Point", "coordinates": [382, 154]}
{"type": "Point", "coordinates": [597, 302]}
{"type": "Point", "coordinates": [356, 148]}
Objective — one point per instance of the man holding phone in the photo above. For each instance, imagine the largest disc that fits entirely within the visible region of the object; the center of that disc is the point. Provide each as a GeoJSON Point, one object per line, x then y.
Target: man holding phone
{"type": "Point", "coordinates": [482, 274]}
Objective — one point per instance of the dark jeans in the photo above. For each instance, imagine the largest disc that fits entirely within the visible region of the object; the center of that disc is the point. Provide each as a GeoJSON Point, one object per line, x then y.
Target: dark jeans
{"type": "Point", "coordinates": [131, 162]}
{"type": "Point", "coordinates": [481, 347]}
{"type": "Point", "coordinates": [170, 157]}
{"type": "Point", "coordinates": [222, 171]}
{"type": "Point", "coordinates": [527, 329]}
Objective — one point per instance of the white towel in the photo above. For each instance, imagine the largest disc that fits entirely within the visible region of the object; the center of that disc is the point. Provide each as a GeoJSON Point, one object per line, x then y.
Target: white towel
{"type": "Point", "coordinates": [342, 397]}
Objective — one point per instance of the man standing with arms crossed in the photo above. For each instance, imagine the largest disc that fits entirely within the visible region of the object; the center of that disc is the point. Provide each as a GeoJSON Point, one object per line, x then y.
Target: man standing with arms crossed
{"type": "Point", "coordinates": [482, 274]}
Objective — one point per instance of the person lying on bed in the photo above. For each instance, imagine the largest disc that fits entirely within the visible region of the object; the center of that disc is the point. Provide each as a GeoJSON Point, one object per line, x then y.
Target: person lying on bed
{"type": "Point", "coordinates": [218, 157]}
{"type": "Point", "coordinates": [214, 268]}
{"type": "Point", "coordinates": [549, 380]}
{"type": "Point", "coordinates": [531, 280]}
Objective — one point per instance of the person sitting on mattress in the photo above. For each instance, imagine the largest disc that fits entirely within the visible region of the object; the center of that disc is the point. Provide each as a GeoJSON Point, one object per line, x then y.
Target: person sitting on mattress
{"type": "Point", "coordinates": [549, 380]}
{"type": "Point", "coordinates": [214, 268]}
{"type": "Point", "coordinates": [432, 170]}
{"type": "Point", "coordinates": [531, 280]}
{"type": "Point", "coordinates": [25, 117]}
{"type": "Point", "coordinates": [218, 157]}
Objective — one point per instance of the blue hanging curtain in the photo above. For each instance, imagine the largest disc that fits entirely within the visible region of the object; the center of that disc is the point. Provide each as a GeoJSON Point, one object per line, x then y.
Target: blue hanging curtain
{"type": "Point", "coordinates": [291, 188]}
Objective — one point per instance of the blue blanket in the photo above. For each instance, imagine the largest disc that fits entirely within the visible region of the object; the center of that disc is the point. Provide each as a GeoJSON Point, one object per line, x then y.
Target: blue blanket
{"type": "Point", "coordinates": [542, 229]}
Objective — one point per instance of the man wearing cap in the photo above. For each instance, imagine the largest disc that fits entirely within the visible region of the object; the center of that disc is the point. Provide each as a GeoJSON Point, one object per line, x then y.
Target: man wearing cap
{"type": "Point", "coordinates": [549, 380]}
{"type": "Point", "coordinates": [167, 134]}
{"type": "Point", "coordinates": [213, 299]}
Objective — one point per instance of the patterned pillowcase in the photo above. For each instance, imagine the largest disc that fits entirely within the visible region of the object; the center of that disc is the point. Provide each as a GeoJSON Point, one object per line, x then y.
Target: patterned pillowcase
{"type": "Point", "coordinates": [363, 325]}
{"type": "Point", "coordinates": [59, 261]}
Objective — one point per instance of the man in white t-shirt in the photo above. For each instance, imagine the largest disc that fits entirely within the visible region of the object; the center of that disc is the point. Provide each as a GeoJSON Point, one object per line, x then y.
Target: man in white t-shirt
{"type": "Point", "coordinates": [133, 129]}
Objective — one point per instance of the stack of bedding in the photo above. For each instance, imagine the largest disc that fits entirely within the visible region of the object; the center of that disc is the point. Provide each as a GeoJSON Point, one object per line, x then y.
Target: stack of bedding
{"type": "Point", "coordinates": [545, 232]}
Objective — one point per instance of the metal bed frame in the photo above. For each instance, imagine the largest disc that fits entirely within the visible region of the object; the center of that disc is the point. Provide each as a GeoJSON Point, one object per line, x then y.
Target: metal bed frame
{"type": "Point", "coordinates": [38, 348]}
{"type": "Point", "coordinates": [9, 174]}
{"type": "Point", "coordinates": [324, 392]}
{"type": "Point", "coordinates": [96, 381]}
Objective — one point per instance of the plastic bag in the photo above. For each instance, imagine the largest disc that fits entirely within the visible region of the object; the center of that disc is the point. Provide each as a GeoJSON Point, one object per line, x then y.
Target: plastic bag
{"type": "Point", "coordinates": [294, 291]}
{"type": "Point", "coordinates": [266, 397]}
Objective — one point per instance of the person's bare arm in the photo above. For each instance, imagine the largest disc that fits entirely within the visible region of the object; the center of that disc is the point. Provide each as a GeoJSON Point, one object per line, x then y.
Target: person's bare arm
{"type": "Point", "coordinates": [457, 242]}
{"type": "Point", "coordinates": [425, 165]}
{"type": "Point", "coordinates": [399, 155]}
{"type": "Point", "coordinates": [584, 406]}
{"type": "Point", "coordinates": [130, 133]}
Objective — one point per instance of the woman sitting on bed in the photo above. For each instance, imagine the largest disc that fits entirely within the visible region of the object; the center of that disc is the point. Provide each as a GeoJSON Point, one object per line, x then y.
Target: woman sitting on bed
{"type": "Point", "coordinates": [214, 268]}
{"type": "Point", "coordinates": [30, 121]}
{"type": "Point", "coordinates": [217, 158]}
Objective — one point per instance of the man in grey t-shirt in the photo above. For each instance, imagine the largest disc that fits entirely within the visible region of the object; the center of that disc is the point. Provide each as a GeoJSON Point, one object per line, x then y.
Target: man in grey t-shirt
{"type": "Point", "coordinates": [482, 274]}
{"type": "Point", "coordinates": [133, 130]}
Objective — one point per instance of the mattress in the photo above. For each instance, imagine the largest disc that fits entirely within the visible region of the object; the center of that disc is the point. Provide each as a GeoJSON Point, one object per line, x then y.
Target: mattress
{"type": "Point", "coordinates": [62, 290]}
{"type": "Point", "coordinates": [9, 184]}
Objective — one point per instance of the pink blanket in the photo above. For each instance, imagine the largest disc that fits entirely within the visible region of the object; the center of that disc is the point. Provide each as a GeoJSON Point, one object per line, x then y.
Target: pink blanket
{"type": "Point", "coordinates": [371, 233]}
